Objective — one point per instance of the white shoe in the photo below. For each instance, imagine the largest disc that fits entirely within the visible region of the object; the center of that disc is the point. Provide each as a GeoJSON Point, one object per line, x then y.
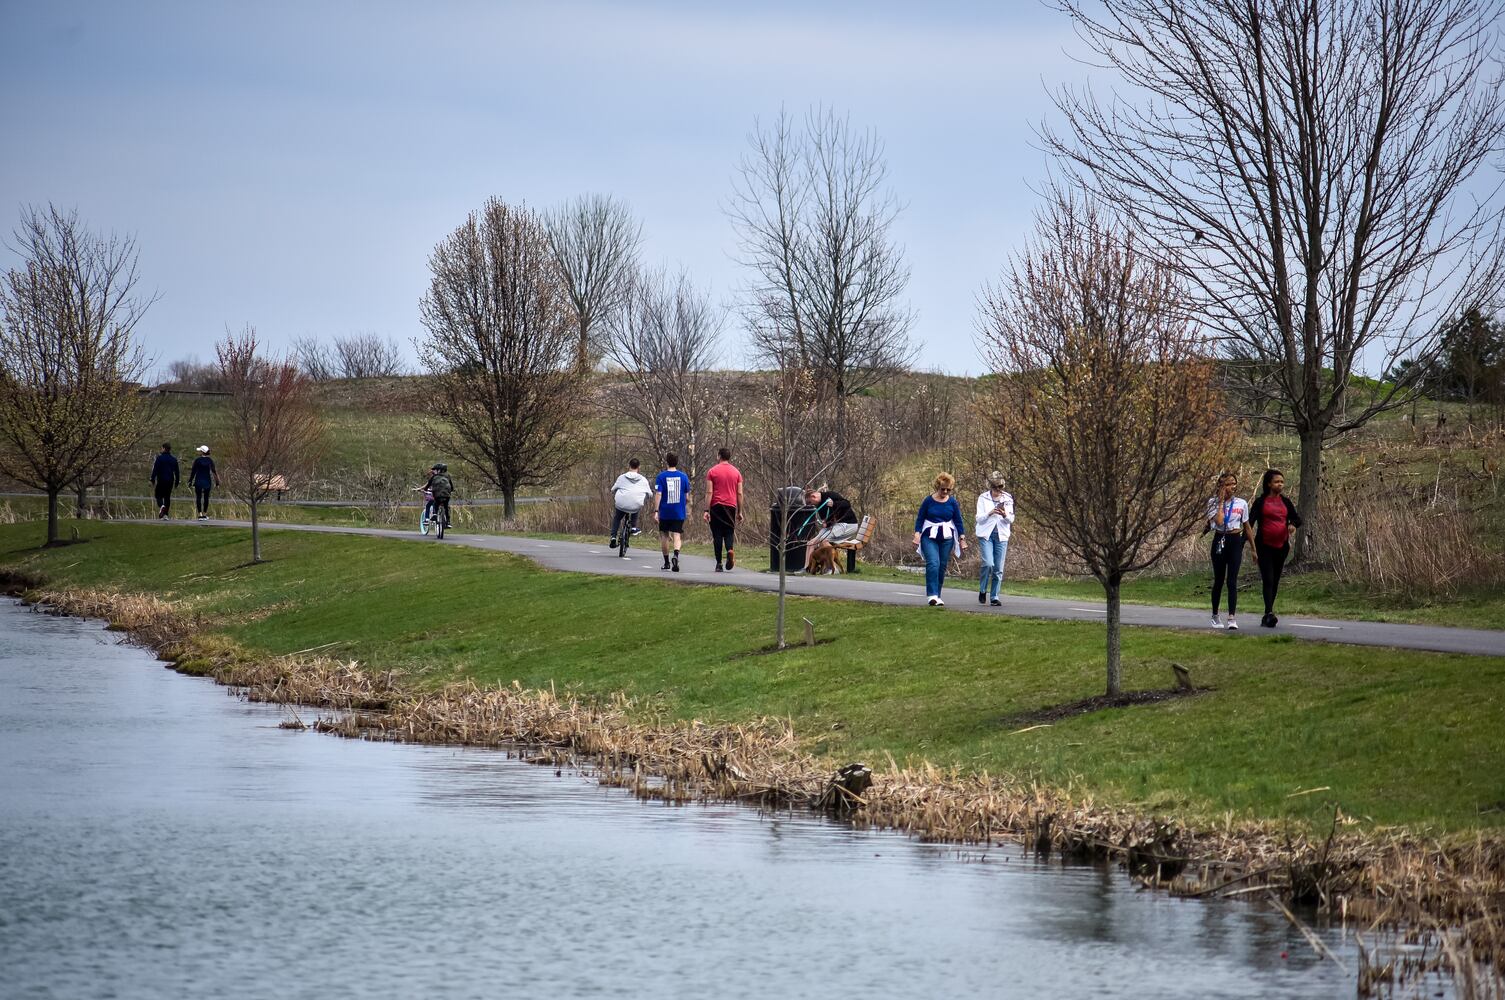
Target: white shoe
{"type": "Point", "coordinates": [940, 603]}
{"type": "Point", "coordinates": [1233, 624]}
{"type": "Point", "coordinates": [934, 601]}
{"type": "Point", "coordinates": [1215, 623]}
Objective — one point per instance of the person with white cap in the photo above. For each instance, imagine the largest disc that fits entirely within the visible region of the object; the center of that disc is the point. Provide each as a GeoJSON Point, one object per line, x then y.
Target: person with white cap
{"type": "Point", "coordinates": [203, 476]}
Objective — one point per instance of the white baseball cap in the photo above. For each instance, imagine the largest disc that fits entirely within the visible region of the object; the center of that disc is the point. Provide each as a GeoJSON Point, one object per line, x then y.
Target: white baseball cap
{"type": "Point", "coordinates": [202, 449]}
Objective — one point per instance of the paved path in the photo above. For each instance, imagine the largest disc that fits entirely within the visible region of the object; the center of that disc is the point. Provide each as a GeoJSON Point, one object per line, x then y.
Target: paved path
{"type": "Point", "coordinates": [644, 561]}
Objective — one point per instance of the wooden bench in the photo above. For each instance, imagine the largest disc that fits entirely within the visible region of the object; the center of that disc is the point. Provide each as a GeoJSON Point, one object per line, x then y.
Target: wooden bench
{"type": "Point", "coordinates": [857, 542]}
{"type": "Point", "coordinates": [272, 484]}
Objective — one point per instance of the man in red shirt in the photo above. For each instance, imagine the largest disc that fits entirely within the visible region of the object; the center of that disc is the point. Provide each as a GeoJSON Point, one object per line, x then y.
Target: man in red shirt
{"type": "Point", "coordinates": [724, 487]}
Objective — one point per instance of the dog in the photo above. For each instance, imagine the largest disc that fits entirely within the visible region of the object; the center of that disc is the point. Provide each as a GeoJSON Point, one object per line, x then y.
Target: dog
{"type": "Point", "coordinates": [823, 559]}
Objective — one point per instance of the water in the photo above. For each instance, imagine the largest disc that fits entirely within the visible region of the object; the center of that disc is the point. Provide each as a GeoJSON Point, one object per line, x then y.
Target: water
{"type": "Point", "coordinates": [160, 839]}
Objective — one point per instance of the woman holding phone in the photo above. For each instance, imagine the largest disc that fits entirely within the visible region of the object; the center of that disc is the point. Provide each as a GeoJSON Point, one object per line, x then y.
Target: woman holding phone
{"type": "Point", "coordinates": [1226, 517]}
{"type": "Point", "coordinates": [995, 521]}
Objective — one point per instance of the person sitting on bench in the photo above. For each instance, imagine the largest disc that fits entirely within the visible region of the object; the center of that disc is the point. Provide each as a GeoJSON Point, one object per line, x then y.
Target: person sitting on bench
{"type": "Point", "coordinates": [833, 514]}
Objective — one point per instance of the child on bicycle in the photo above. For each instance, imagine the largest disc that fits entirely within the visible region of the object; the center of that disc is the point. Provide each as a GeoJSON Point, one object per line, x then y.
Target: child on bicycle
{"type": "Point", "coordinates": [628, 495]}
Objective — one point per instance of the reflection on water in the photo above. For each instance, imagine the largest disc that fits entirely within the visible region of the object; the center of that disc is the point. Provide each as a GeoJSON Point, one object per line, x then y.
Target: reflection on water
{"type": "Point", "coordinates": [160, 839]}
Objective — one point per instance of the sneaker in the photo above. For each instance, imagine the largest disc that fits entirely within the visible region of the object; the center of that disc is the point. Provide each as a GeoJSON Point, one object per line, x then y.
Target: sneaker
{"type": "Point", "coordinates": [1268, 621]}
{"type": "Point", "coordinates": [982, 598]}
{"type": "Point", "coordinates": [611, 544]}
{"type": "Point", "coordinates": [1215, 623]}
{"type": "Point", "coordinates": [731, 560]}
{"type": "Point", "coordinates": [203, 517]}
{"type": "Point", "coordinates": [637, 531]}
{"type": "Point", "coordinates": [718, 568]}
{"type": "Point", "coordinates": [996, 603]}
{"type": "Point", "coordinates": [1232, 625]}
{"type": "Point", "coordinates": [675, 565]}
{"type": "Point", "coordinates": [1274, 620]}
{"type": "Point", "coordinates": [161, 513]}
{"type": "Point", "coordinates": [934, 601]}
{"type": "Point", "coordinates": [940, 603]}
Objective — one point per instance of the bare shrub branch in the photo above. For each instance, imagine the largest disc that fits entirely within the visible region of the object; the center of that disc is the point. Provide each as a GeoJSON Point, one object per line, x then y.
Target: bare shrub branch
{"type": "Point", "coordinates": [595, 242]}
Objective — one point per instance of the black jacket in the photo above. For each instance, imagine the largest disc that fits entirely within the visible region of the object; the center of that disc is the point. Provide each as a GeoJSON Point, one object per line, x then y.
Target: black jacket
{"type": "Point", "coordinates": [165, 470]}
{"type": "Point", "coordinates": [1293, 519]}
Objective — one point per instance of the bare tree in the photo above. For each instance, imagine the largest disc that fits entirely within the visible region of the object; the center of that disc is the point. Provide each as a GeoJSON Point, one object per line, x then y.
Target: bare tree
{"type": "Point", "coordinates": [665, 340]}
{"type": "Point", "coordinates": [315, 358]}
{"type": "Point", "coordinates": [274, 433]}
{"type": "Point", "coordinates": [595, 241]}
{"type": "Point", "coordinates": [814, 219]}
{"type": "Point", "coordinates": [501, 346]}
{"type": "Point", "coordinates": [365, 355]}
{"type": "Point", "coordinates": [69, 363]}
{"type": "Point", "coordinates": [1110, 404]}
{"type": "Point", "coordinates": [1306, 164]}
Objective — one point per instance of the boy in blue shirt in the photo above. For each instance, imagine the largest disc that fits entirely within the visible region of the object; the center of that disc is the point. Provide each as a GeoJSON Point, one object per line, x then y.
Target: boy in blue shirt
{"type": "Point", "coordinates": [671, 507]}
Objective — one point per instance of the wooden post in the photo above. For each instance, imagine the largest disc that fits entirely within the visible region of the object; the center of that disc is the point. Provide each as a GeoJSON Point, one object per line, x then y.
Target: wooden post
{"type": "Point", "coordinates": [809, 631]}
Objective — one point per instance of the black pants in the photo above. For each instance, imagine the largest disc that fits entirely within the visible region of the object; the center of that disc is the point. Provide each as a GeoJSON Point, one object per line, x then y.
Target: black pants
{"type": "Point", "coordinates": [1227, 557]}
{"type": "Point", "coordinates": [164, 498]}
{"type": "Point", "coordinates": [1271, 562]}
{"type": "Point", "coordinates": [623, 521]}
{"type": "Point", "coordinates": [201, 499]}
{"type": "Point", "coordinates": [723, 528]}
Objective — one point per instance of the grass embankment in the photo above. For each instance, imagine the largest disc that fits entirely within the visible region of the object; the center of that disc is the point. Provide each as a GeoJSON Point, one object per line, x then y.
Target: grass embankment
{"type": "Point", "coordinates": [1396, 737]}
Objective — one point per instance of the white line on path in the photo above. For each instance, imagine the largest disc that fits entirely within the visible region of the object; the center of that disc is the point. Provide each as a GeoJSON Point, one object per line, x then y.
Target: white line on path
{"type": "Point", "coordinates": [1304, 625]}
{"type": "Point", "coordinates": [1095, 611]}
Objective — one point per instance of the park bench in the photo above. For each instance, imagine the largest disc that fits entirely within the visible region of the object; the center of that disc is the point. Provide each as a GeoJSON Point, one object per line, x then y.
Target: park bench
{"type": "Point", "coordinates": [857, 542]}
{"type": "Point", "coordinates": [273, 484]}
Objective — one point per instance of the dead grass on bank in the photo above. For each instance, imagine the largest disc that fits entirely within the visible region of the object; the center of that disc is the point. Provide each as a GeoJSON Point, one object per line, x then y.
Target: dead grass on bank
{"type": "Point", "coordinates": [1442, 898]}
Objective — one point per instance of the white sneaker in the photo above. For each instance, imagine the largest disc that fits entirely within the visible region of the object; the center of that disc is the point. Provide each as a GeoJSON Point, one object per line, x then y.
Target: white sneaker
{"type": "Point", "coordinates": [940, 603]}
{"type": "Point", "coordinates": [1233, 624]}
{"type": "Point", "coordinates": [1215, 623]}
{"type": "Point", "coordinates": [934, 601]}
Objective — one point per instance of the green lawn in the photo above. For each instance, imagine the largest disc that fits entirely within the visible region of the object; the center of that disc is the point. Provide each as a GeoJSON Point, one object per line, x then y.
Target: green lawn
{"type": "Point", "coordinates": [1399, 737]}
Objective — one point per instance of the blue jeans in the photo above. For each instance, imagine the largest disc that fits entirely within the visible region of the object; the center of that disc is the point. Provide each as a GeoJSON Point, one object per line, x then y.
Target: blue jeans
{"type": "Point", "coordinates": [937, 553]}
{"type": "Point", "coordinates": [993, 550]}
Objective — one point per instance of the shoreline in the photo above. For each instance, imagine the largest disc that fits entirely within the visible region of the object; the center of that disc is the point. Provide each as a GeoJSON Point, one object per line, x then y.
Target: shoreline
{"type": "Point", "coordinates": [1446, 894]}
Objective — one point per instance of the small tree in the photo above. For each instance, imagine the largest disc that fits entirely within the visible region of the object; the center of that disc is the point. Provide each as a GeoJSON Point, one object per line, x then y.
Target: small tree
{"type": "Point", "coordinates": [69, 363]}
{"type": "Point", "coordinates": [665, 340]}
{"type": "Point", "coordinates": [501, 349]}
{"type": "Point", "coordinates": [274, 429]}
{"type": "Point", "coordinates": [1109, 400]}
{"type": "Point", "coordinates": [365, 355]}
{"type": "Point", "coordinates": [595, 243]}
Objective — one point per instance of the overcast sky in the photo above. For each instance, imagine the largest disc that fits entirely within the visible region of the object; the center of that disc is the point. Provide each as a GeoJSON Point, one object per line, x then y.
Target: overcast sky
{"type": "Point", "coordinates": [291, 165]}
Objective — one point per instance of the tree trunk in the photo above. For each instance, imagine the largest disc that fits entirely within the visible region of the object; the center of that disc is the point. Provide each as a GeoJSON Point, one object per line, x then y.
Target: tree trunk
{"type": "Point", "coordinates": [509, 503]}
{"type": "Point", "coordinates": [1115, 669]}
{"type": "Point", "coordinates": [255, 530]}
{"type": "Point", "coordinates": [82, 508]}
{"type": "Point", "coordinates": [582, 362]}
{"type": "Point", "coordinates": [52, 495]}
{"type": "Point", "coordinates": [1309, 497]}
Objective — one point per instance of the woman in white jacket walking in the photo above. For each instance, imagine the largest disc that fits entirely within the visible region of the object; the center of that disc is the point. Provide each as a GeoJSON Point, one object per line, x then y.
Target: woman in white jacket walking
{"type": "Point", "coordinates": [995, 521]}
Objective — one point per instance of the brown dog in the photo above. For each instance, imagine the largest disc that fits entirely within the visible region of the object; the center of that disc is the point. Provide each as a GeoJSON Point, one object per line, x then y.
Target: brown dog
{"type": "Point", "coordinates": [823, 559]}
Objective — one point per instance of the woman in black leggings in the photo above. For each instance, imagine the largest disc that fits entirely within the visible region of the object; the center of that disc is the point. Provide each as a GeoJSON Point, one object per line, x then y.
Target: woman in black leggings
{"type": "Point", "coordinates": [1272, 518]}
{"type": "Point", "coordinates": [1226, 517]}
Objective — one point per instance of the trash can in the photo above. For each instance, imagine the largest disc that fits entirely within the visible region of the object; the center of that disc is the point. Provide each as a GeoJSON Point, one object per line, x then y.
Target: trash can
{"type": "Point", "coordinates": [790, 538]}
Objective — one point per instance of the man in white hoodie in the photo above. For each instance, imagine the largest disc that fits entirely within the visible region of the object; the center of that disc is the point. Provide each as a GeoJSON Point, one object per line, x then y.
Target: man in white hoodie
{"type": "Point", "coordinates": [628, 494]}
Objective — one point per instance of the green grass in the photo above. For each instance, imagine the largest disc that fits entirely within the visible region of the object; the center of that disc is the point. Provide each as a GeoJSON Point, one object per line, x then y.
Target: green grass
{"type": "Point", "coordinates": [1400, 737]}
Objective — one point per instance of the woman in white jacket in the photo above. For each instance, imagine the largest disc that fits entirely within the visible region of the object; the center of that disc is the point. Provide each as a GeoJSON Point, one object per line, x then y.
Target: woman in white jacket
{"type": "Point", "coordinates": [995, 521]}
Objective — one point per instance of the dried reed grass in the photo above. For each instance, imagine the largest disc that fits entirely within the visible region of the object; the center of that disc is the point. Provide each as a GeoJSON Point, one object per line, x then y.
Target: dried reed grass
{"type": "Point", "coordinates": [1443, 897]}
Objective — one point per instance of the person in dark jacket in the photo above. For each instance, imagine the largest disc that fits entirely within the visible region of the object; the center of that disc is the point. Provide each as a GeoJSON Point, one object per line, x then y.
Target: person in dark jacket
{"type": "Point", "coordinates": [164, 479]}
{"type": "Point", "coordinates": [442, 487]}
{"type": "Point", "coordinates": [1272, 518]}
{"type": "Point", "coordinates": [203, 476]}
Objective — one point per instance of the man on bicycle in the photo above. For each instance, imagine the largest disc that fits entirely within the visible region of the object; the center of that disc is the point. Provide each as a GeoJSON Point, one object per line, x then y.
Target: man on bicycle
{"type": "Point", "coordinates": [442, 488]}
{"type": "Point", "coordinates": [628, 494]}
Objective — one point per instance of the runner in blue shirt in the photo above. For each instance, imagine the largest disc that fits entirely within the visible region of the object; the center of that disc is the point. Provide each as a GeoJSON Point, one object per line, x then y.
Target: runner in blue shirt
{"type": "Point", "coordinates": [671, 507]}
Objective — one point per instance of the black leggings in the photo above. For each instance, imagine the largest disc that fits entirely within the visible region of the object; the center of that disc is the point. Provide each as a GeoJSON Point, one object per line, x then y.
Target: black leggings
{"type": "Point", "coordinates": [201, 499]}
{"type": "Point", "coordinates": [723, 528]}
{"type": "Point", "coordinates": [1226, 559]}
{"type": "Point", "coordinates": [1271, 562]}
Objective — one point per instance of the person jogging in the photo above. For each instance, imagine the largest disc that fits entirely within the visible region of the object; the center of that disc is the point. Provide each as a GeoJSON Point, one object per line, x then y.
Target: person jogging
{"type": "Point", "coordinates": [1226, 517]}
{"type": "Point", "coordinates": [938, 532]}
{"type": "Point", "coordinates": [164, 479]}
{"type": "Point", "coordinates": [723, 486]}
{"type": "Point", "coordinates": [442, 487]}
{"type": "Point", "coordinates": [628, 494]}
{"type": "Point", "coordinates": [994, 523]}
{"type": "Point", "coordinates": [671, 507]}
{"type": "Point", "coordinates": [1272, 517]}
{"type": "Point", "coordinates": [204, 477]}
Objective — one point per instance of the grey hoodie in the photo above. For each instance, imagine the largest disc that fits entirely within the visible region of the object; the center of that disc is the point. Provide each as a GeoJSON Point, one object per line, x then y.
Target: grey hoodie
{"type": "Point", "coordinates": [630, 492]}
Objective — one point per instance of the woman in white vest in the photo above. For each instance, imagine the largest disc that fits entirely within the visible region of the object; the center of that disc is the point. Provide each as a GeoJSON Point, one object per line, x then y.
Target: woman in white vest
{"type": "Point", "coordinates": [995, 522]}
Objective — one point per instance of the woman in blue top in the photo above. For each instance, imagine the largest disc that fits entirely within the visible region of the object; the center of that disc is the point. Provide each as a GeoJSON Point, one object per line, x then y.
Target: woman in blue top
{"type": "Point", "coordinates": [938, 531]}
{"type": "Point", "coordinates": [203, 476]}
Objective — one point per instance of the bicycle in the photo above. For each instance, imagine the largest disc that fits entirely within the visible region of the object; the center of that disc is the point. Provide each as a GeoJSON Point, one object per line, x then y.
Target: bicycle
{"type": "Point", "coordinates": [432, 518]}
{"type": "Point", "coordinates": [624, 526]}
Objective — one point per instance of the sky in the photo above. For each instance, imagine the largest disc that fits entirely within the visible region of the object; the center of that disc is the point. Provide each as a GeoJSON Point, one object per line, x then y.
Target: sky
{"type": "Point", "coordinates": [291, 165]}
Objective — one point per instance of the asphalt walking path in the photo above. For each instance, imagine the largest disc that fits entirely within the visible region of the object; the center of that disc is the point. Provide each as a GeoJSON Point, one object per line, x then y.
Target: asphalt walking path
{"type": "Point", "coordinates": [643, 560]}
